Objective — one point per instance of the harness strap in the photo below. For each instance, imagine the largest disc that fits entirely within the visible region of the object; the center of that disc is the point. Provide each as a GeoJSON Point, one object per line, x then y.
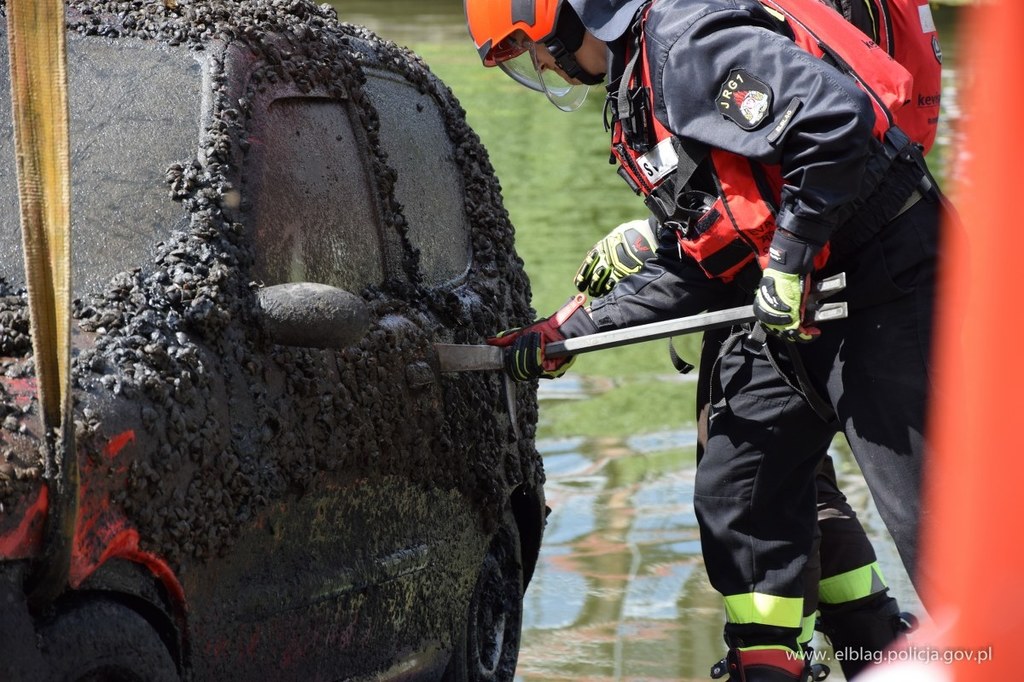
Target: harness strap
{"type": "Point", "coordinates": [681, 365]}
{"type": "Point", "coordinates": [814, 399]}
{"type": "Point", "coordinates": [665, 201]}
{"type": "Point", "coordinates": [898, 172]}
{"type": "Point", "coordinates": [623, 104]}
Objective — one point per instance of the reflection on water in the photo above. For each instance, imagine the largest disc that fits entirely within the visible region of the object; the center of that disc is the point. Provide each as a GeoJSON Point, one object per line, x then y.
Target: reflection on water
{"type": "Point", "coordinates": [620, 592]}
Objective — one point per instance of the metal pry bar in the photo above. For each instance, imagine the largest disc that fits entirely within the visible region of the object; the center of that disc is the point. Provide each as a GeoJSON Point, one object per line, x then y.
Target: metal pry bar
{"type": "Point", "coordinates": [819, 312]}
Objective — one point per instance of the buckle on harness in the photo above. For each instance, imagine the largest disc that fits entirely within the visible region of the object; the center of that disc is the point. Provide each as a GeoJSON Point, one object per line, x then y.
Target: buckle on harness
{"type": "Point", "coordinates": [696, 209]}
{"type": "Point", "coordinates": [895, 144]}
{"type": "Point", "coordinates": [634, 120]}
{"type": "Point", "coordinates": [689, 214]}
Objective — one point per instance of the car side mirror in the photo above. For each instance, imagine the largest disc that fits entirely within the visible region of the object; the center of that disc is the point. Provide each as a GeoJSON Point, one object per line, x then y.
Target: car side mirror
{"type": "Point", "coordinates": [312, 315]}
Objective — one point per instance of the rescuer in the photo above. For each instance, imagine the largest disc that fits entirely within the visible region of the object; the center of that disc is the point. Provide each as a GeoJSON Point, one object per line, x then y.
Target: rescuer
{"type": "Point", "coordinates": [743, 126]}
{"type": "Point", "coordinates": [857, 613]}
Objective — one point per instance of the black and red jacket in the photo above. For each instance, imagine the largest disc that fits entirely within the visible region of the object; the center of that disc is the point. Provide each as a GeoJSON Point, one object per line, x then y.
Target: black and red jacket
{"type": "Point", "coordinates": [725, 225]}
{"type": "Point", "coordinates": [752, 109]}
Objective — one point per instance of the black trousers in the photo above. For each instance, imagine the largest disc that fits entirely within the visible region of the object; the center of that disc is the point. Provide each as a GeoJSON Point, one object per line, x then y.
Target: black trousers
{"type": "Point", "coordinates": [755, 494]}
{"type": "Point", "coordinates": [844, 552]}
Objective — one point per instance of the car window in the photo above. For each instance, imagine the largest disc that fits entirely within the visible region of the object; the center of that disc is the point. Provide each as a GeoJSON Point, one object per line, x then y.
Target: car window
{"type": "Point", "coordinates": [429, 184]}
{"type": "Point", "coordinates": [135, 111]}
{"type": "Point", "coordinates": [314, 209]}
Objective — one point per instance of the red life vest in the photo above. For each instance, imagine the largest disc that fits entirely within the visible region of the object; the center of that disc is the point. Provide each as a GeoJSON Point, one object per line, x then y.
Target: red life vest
{"type": "Point", "coordinates": [906, 31]}
{"type": "Point", "coordinates": [726, 232]}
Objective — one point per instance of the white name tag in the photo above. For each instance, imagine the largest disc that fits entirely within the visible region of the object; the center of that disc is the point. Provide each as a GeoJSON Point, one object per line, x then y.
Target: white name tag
{"type": "Point", "coordinates": [658, 162]}
{"type": "Point", "coordinates": [927, 20]}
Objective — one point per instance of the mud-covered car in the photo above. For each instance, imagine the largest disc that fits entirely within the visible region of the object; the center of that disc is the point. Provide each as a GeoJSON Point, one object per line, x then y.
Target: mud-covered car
{"type": "Point", "coordinates": [275, 216]}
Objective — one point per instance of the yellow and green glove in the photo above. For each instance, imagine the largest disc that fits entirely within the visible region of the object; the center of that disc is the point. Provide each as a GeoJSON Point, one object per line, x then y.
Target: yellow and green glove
{"type": "Point", "coordinates": [780, 303]}
{"type": "Point", "coordinates": [620, 253]}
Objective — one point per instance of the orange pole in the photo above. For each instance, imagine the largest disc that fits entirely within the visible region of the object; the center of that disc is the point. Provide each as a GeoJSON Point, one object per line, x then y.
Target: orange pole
{"type": "Point", "coordinates": [974, 536]}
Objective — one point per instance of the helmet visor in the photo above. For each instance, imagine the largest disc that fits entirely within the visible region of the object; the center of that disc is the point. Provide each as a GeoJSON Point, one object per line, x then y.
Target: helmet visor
{"type": "Point", "coordinates": [525, 68]}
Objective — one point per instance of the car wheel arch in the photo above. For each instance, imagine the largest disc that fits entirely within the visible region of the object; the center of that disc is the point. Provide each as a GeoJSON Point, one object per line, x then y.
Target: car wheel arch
{"type": "Point", "coordinates": [99, 635]}
{"type": "Point", "coordinates": [135, 587]}
{"type": "Point", "coordinates": [530, 513]}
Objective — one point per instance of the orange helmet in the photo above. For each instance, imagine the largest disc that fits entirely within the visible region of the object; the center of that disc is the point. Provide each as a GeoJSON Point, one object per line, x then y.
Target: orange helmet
{"type": "Point", "coordinates": [493, 22]}
{"type": "Point", "coordinates": [509, 33]}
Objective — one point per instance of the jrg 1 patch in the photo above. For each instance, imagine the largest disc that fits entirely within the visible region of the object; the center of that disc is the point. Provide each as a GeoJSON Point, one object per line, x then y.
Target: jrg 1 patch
{"type": "Point", "coordinates": [745, 99]}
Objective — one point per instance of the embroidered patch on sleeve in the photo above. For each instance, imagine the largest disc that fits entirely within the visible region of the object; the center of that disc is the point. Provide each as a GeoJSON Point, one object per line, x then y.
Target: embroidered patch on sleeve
{"type": "Point", "coordinates": [784, 121]}
{"type": "Point", "coordinates": [745, 99]}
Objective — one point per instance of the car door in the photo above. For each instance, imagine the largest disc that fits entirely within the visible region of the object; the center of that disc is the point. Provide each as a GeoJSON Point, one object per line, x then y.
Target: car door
{"type": "Point", "coordinates": [363, 560]}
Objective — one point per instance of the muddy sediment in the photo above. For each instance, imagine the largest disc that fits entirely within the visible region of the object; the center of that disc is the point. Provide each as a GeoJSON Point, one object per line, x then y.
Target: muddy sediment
{"type": "Point", "coordinates": [224, 421]}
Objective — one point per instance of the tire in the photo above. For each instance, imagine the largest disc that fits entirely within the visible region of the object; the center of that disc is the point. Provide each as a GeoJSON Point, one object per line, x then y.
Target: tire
{"type": "Point", "coordinates": [487, 648]}
{"type": "Point", "coordinates": [104, 641]}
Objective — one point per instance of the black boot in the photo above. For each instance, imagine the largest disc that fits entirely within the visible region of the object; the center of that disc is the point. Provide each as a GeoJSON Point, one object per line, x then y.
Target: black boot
{"type": "Point", "coordinates": [861, 630]}
{"type": "Point", "coordinates": [762, 665]}
{"type": "Point", "coordinates": [813, 672]}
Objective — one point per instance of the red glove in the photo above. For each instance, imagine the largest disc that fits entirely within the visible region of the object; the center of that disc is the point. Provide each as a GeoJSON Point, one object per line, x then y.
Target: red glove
{"type": "Point", "coordinates": [524, 346]}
